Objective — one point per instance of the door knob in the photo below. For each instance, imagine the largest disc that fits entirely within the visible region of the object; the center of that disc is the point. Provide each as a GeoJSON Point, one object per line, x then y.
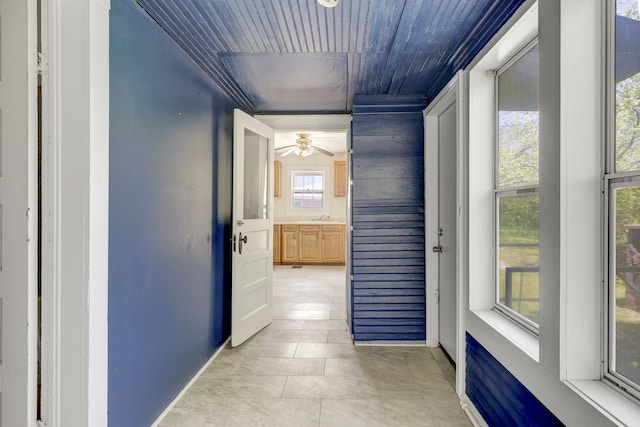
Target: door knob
{"type": "Point", "coordinates": [241, 240]}
{"type": "Point", "coordinates": [437, 249]}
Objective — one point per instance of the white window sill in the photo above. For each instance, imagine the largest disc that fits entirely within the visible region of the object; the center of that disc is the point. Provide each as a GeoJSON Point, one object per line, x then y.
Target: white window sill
{"type": "Point", "coordinates": [519, 337]}
{"type": "Point", "coordinates": [620, 409]}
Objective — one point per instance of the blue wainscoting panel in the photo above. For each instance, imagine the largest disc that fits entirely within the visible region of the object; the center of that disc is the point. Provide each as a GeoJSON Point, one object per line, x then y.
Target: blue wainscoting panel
{"type": "Point", "coordinates": [388, 292]}
{"type": "Point", "coordinates": [169, 216]}
{"type": "Point", "coordinates": [500, 398]}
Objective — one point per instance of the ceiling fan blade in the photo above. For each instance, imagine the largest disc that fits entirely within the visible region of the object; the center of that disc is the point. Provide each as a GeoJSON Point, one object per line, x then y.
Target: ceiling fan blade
{"type": "Point", "coordinates": [322, 150]}
{"type": "Point", "coordinates": [291, 149]}
{"type": "Point", "coordinates": [285, 147]}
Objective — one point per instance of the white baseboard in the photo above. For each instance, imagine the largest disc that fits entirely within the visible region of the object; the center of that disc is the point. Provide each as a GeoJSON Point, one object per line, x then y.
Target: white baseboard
{"type": "Point", "coordinates": [471, 411]}
{"type": "Point", "coordinates": [189, 384]}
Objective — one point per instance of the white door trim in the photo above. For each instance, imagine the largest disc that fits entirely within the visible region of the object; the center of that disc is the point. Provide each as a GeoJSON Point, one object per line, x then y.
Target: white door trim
{"type": "Point", "coordinates": [452, 92]}
{"type": "Point", "coordinates": [75, 212]}
{"type": "Point", "coordinates": [19, 215]}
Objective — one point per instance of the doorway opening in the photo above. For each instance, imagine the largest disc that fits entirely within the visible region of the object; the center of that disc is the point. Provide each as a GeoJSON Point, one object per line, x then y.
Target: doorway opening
{"type": "Point", "coordinates": [311, 216]}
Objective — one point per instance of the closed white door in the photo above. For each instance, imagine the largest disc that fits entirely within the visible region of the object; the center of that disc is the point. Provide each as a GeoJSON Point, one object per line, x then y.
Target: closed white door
{"type": "Point", "coordinates": [447, 224]}
{"type": "Point", "coordinates": [252, 259]}
{"type": "Point", "coordinates": [18, 211]}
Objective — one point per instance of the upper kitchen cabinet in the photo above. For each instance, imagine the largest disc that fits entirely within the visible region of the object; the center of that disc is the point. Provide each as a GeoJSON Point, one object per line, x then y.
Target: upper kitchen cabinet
{"type": "Point", "coordinates": [340, 178]}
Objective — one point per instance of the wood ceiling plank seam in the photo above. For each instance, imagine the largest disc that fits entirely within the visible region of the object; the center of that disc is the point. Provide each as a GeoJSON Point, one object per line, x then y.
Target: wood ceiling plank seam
{"type": "Point", "coordinates": [316, 28]}
{"type": "Point", "coordinates": [215, 26]}
{"type": "Point", "coordinates": [204, 45]}
{"type": "Point", "coordinates": [322, 24]}
{"type": "Point", "coordinates": [383, 84]}
{"type": "Point", "coordinates": [334, 30]}
{"type": "Point", "coordinates": [411, 15]}
{"type": "Point", "coordinates": [303, 26]}
{"type": "Point", "coordinates": [213, 68]}
{"type": "Point", "coordinates": [311, 39]}
{"type": "Point", "coordinates": [357, 38]}
{"type": "Point", "coordinates": [398, 84]}
{"type": "Point", "coordinates": [268, 26]}
{"type": "Point", "coordinates": [218, 19]}
{"type": "Point", "coordinates": [237, 21]}
{"type": "Point", "coordinates": [286, 23]}
{"type": "Point", "coordinates": [245, 25]}
{"type": "Point", "coordinates": [297, 35]}
{"type": "Point", "coordinates": [387, 23]}
{"type": "Point", "coordinates": [345, 20]}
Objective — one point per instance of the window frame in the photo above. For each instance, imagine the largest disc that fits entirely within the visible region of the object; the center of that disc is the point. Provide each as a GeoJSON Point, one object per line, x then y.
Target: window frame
{"type": "Point", "coordinates": [322, 192]}
{"type": "Point", "coordinates": [306, 213]}
{"type": "Point", "coordinates": [612, 180]}
{"type": "Point", "coordinates": [512, 191]}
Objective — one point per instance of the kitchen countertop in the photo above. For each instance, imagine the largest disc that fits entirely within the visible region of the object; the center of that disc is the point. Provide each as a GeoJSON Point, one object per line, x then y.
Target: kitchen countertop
{"type": "Point", "coordinates": [307, 222]}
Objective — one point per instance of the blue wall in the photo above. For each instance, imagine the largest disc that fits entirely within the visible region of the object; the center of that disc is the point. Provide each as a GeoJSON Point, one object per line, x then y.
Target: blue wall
{"type": "Point", "coordinates": [170, 151]}
{"type": "Point", "coordinates": [500, 398]}
{"type": "Point", "coordinates": [388, 264]}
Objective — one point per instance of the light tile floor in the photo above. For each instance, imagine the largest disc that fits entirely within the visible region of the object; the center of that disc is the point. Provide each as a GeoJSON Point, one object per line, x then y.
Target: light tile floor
{"type": "Point", "coordinates": [303, 370]}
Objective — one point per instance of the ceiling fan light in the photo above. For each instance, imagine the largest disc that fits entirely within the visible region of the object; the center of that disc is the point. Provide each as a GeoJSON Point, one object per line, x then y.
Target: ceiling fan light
{"type": "Point", "coordinates": [329, 3]}
{"type": "Point", "coordinates": [306, 153]}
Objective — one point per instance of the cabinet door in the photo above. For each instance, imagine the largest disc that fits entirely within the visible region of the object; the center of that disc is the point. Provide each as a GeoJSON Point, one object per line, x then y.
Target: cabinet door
{"type": "Point", "coordinates": [289, 250]}
{"type": "Point", "coordinates": [340, 178]}
{"type": "Point", "coordinates": [333, 244]}
{"type": "Point", "coordinates": [310, 245]}
{"type": "Point", "coordinates": [276, 244]}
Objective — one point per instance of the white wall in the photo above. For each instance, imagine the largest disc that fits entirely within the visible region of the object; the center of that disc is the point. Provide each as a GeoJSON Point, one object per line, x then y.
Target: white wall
{"type": "Point", "coordinates": [337, 206]}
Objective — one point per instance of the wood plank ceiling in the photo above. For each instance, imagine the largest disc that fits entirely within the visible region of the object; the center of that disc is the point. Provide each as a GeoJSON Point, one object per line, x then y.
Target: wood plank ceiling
{"type": "Point", "coordinates": [297, 56]}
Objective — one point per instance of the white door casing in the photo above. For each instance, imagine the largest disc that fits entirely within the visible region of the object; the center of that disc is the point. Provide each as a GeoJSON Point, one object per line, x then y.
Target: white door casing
{"type": "Point", "coordinates": [18, 211]}
{"type": "Point", "coordinates": [252, 245]}
{"type": "Point", "coordinates": [437, 296]}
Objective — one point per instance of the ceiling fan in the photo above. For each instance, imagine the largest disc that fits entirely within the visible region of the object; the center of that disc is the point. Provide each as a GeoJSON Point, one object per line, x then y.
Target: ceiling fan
{"type": "Point", "coordinates": [303, 147]}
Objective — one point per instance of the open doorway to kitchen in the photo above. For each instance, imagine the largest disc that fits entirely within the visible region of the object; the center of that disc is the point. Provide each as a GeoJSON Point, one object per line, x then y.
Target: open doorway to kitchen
{"type": "Point", "coordinates": [311, 223]}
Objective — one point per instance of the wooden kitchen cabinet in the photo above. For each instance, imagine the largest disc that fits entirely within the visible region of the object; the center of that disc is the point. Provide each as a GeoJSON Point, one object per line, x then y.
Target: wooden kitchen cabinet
{"type": "Point", "coordinates": [277, 178]}
{"type": "Point", "coordinates": [333, 243]}
{"type": "Point", "coordinates": [340, 178]}
{"type": "Point", "coordinates": [276, 244]}
{"type": "Point", "coordinates": [289, 248]}
{"type": "Point", "coordinates": [310, 243]}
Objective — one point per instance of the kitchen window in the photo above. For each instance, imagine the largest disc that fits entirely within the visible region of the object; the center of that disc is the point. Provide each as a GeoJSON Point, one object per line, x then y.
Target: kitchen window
{"type": "Point", "coordinates": [307, 189]}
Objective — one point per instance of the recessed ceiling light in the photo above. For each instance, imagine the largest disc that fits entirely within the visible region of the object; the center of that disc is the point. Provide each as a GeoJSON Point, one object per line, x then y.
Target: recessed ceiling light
{"type": "Point", "coordinates": [329, 3]}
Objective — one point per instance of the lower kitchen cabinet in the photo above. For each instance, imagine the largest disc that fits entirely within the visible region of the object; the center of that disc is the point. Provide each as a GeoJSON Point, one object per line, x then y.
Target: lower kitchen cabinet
{"type": "Point", "coordinates": [333, 243]}
{"type": "Point", "coordinates": [289, 245]}
{"type": "Point", "coordinates": [310, 244]}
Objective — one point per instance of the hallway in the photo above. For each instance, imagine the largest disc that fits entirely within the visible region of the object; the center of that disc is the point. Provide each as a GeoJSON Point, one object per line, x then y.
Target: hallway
{"type": "Point", "coordinates": [302, 370]}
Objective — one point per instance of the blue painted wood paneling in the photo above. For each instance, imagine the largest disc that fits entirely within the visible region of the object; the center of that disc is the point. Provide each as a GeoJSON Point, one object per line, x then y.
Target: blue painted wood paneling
{"type": "Point", "coordinates": [500, 398]}
{"type": "Point", "coordinates": [169, 216]}
{"type": "Point", "coordinates": [388, 264]}
{"type": "Point", "coordinates": [390, 47]}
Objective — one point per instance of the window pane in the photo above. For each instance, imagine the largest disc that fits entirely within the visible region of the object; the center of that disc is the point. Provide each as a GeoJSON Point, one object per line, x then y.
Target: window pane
{"type": "Point", "coordinates": [256, 176]}
{"type": "Point", "coordinates": [627, 76]}
{"type": "Point", "coordinates": [308, 188]}
{"type": "Point", "coordinates": [518, 122]}
{"type": "Point", "coordinates": [627, 283]}
{"type": "Point", "coordinates": [518, 255]}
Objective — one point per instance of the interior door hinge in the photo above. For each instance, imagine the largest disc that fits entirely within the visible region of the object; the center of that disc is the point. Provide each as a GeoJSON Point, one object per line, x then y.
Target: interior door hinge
{"type": "Point", "coordinates": [42, 65]}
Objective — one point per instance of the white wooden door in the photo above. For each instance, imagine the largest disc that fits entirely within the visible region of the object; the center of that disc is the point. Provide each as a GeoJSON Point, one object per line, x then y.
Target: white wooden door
{"type": "Point", "coordinates": [252, 259]}
{"type": "Point", "coordinates": [18, 211]}
{"type": "Point", "coordinates": [447, 140]}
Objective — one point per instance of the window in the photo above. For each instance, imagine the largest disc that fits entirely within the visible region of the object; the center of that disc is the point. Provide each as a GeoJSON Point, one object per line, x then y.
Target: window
{"type": "Point", "coordinates": [307, 189]}
{"type": "Point", "coordinates": [516, 188]}
{"type": "Point", "coordinates": [622, 176]}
